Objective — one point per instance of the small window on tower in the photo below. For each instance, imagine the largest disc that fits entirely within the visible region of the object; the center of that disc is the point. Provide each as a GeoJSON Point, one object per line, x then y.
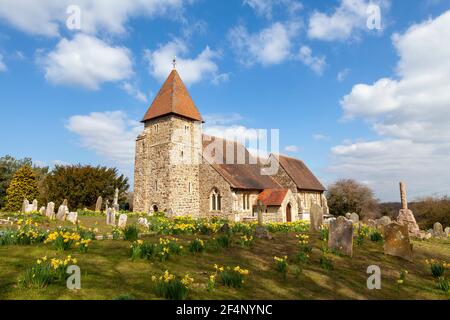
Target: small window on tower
{"type": "Point", "coordinates": [186, 129]}
{"type": "Point", "coordinates": [156, 127]}
{"type": "Point", "coordinates": [182, 154]}
{"type": "Point", "coordinates": [156, 185]}
{"type": "Point", "coordinates": [190, 187]}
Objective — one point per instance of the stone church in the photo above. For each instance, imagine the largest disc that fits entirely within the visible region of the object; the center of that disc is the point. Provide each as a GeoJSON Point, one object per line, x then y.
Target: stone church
{"type": "Point", "coordinates": [181, 171]}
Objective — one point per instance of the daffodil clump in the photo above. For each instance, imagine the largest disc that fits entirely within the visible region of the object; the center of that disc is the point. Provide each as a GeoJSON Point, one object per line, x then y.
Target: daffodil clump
{"type": "Point", "coordinates": [197, 246]}
{"type": "Point", "coordinates": [63, 240]}
{"type": "Point", "coordinates": [171, 287]}
{"type": "Point", "coordinates": [281, 264]}
{"type": "Point", "coordinates": [363, 233]}
{"type": "Point", "coordinates": [26, 232]}
{"type": "Point", "coordinates": [211, 284]}
{"type": "Point", "coordinates": [232, 277]}
{"type": "Point", "coordinates": [246, 240]}
{"type": "Point", "coordinates": [162, 250]}
{"type": "Point", "coordinates": [402, 278]}
{"type": "Point", "coordinates": [437, 267]}
{"type": "Point", "coordinates": [46, 271]}
{"type": "Point", "coordinates": [323, 233]}
{"type": "Point", "coordinates": [296, 226]}
{"type": "Point", "coordinates": [83, 245]}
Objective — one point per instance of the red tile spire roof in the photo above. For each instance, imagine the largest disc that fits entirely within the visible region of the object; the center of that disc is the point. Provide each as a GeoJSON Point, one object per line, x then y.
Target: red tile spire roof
{"type": "Point", "coordinates": [173, 98]}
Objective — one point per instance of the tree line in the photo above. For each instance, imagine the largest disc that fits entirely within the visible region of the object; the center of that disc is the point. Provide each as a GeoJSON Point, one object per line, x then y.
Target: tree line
{"type": "Point", "coordinates": [80, 184]}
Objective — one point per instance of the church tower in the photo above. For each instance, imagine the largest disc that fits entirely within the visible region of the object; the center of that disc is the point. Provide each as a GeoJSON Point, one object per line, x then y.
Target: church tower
{"type": "Point", "coordinates": [168, 153]}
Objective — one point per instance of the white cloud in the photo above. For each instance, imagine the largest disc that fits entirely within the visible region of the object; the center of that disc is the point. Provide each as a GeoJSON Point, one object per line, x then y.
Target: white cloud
{"type": "Point", "coordinates": [213, 119]}
{"type": "Point", "coordinates": [47, 17]}
{"type": "Point", "coordinates": [266, 7]}
{"type": "Point", "coordinates": [133, 91]}
{"type": "Point", "coordinates": [270, 46]}
{"type": "Point", "coordinates": [191, 70]}
{"type": "Point", "coordinates": [317, 64]}
{"type": "Point", "coordinates": [111, 135]}
{"type": "Point", "coordinates": [2, 64]}
{"type": "Point", "coordinates": [347, 20]}
{"type": "Point", "coordinates": [292, 149]}
{"type": "Point", "coordinates": [87, 62]}
{"type": "Point", "coordinates": [342, 75]}
{"type": "Point", "coordinates": [409, 112]}
{"type": "Point", "coordinates": [320, 137]}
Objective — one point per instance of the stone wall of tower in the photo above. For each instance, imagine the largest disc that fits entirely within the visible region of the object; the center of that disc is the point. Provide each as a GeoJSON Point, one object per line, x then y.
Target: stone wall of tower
{"type": "Point", "coordinates": [166, 166]}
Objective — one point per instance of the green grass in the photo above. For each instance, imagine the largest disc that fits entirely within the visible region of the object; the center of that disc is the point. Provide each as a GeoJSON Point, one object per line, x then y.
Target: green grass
{"type": "Point", "coordinates": [108, 271]}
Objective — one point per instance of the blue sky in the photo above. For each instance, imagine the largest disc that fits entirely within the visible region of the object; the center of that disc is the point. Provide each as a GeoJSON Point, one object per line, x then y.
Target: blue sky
{"type": "Point", "coordinates": [351, 102]}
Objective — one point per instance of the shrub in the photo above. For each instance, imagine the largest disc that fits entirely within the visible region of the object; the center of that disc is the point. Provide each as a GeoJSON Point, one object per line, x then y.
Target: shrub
{"type": "Point", "coordinates": [131, 233]}
{"type": "Point", "coordinates": [169, 286]}
{"type": "Point", "coordinates": [197, 246]}
{"type": "Point", "coordinates": [23, 186]}
{"type": "Point", "coordinates": [232, 277]}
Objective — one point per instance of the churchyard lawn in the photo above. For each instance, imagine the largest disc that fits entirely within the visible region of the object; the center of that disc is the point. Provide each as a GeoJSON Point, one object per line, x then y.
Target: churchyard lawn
{"type": "Point", "coordinates": [108, 271]}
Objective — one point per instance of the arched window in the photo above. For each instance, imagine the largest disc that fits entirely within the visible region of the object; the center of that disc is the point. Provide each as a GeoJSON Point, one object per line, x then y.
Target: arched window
{"type": "Point", "coordinates": [215, 200]}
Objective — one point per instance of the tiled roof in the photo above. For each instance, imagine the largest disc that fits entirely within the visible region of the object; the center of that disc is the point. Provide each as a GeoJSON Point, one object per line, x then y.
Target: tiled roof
{"type": "Point", "coordinates": [173, 98]}
{"type": "Point", "coordinates": [240, 176]}
{"type": "Point", "coordinates": [300, 174]}
{"type": "Point", "coordinates": [273, 197]}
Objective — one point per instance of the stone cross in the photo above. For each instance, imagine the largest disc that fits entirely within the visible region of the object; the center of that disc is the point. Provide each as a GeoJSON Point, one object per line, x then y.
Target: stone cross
{"type": "Point", "coordinates": [259, 209]}
{"type": "Point", "coordinates": [116, 200]}
{"type": "Point", "coordinates": [403, 196]}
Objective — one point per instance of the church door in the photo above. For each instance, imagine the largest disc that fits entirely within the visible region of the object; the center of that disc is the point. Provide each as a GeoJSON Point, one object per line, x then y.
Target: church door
{"type": "Point", "coordinates": [288, 213]}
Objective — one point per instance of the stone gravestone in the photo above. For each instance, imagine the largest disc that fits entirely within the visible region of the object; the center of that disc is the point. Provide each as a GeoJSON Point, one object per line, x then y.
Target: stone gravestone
{"type": "Point", "coordinates": [396, 241]}
{"type": "Point", "coordinates": [316, 218]}
{"type": "Point", "coordinates": [42, 211]}
{"type": "Point", "coordinates": [122, 221]}
{"type": "Point", "coordinates": [326, 209]}
{"type": "Point", "coordinates": [447, 231]}
{"type": "Point", "coordinates": [354, 217]}
{"type": "Point", "coordinates": [62, 213]}
{"type": "Point", "coordinates": [371, 223]}
{"type": "Point", "coordinates": [110, 217]}
{"type": "Point", "coordinates": [341, 236]}
{"type": "Point", "coordinates": [405, 215]}
{"type": "Point", "coordinates": [50, 212]}
{"type": "Point", "coordinates": [73, 217]}
{"type": "Point", "coordinates": [382, 223]}
{"type": "Point", "coordinates": [34, 206]}
{"type": "Point", "coordinates": [143, 222]}
{"type": "Point", "coordinates": [25, 205]}
{"type": "Point", "coordinates": [438, 230]}
{"type": "Point", "coordinates": [65, 203]}
{"type": "Point", "coordinates": [348, 215]}
{"type": "Point", "coordinates": [99, 203]}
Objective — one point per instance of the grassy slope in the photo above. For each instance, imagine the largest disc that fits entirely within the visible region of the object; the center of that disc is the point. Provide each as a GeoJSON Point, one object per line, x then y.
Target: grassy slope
{"type": "Point", "coordinates": [107, 271]}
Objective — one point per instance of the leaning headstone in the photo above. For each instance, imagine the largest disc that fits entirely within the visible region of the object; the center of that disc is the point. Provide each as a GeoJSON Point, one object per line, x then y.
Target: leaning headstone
{"type": "Point", "coordinates": [50, 212]}
{"type": "Point", "coordinates": [34, 206]}
{"type": "Point", "coordinates": [25, 205]}
{"type": "Point", "coordinates": [447, 231]}
{"type": "Point", "coordinates": [438, 230]}
{"type": "Point", "coordinates": [98, 204]}
{"type": "Point", "coordinates": [354, 217]}
{"type": "Point", "coordinates": [42, 211]}
{"type": "Point", "coordinates": [122, 221]}
{"type": "Point", "coordinates": [65, 203]}
{"type": "Point", "coordinates": [405, 215]}
{"type": "Point", "coordinates": [341, 235]}
{"type": "Point", "coordinates": [348, 215]}
{"type": "Point", "coordinates": [72, 217]}
{"type": "Point", "coordinates": [396, 241]}
{"type": "Point", "coordinates": [62, 213]}
{"type": "Point", "coordinates": [316, 218]}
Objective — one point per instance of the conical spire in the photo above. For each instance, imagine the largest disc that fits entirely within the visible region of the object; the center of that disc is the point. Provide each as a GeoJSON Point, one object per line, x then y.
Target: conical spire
{"type": "Point", "coordinates": [173, 98]}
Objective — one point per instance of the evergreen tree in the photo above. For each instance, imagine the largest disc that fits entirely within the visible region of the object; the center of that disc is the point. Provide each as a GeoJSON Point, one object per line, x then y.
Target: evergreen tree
{"type": "Point", "coordinates": [23, 186]}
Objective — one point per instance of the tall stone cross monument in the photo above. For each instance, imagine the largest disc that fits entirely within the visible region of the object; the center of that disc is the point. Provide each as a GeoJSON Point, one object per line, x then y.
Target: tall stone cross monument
{"type": "Point", "coordinates": [406, 216]}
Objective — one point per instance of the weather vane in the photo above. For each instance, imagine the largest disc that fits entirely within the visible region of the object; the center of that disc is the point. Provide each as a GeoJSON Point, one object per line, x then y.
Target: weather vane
{"type": "Point", "coordinates": [174, 62]}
